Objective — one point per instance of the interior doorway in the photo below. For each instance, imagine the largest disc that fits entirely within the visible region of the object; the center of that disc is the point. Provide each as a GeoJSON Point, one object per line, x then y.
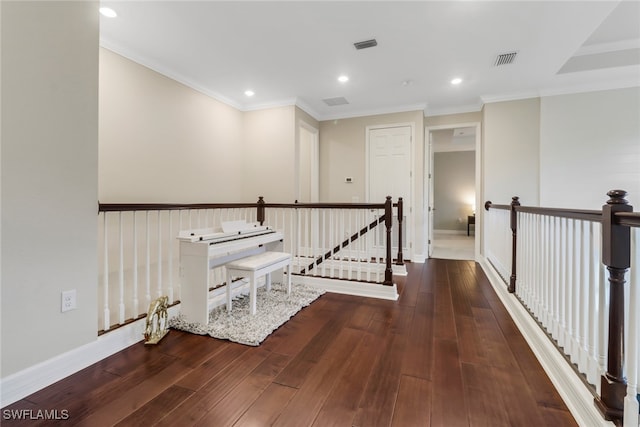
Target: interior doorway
{"type": "Point", "coordinates": [453, 191]}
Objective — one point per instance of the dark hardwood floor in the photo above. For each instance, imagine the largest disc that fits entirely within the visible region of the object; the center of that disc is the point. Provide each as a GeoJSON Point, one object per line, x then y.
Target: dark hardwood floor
{"type": "Point", "coordinates": [445, 354]}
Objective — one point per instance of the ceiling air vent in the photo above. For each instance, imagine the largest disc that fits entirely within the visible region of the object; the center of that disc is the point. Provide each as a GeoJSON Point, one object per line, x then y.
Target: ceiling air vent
{"type": "Point", "coordinates": [332, 102]}
{"type": "Point", "coordinates": [505, 58]}
{"type": "Point", "coordinates": [365, 44]}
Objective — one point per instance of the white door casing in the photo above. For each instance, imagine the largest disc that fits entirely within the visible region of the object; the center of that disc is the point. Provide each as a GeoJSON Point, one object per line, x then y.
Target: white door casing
{"type": "Point", "coordinates": [479, 190]}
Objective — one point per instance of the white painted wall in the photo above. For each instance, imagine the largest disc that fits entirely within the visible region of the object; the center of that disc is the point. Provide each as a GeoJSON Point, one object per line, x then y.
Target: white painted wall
{"type": "Point", "coordinates": [589, 144]}
{"type": "Point", "coordinates": [49, 178]}
{"type": "Point", "coordinates": [161, 141]}
{"type": "Point", "coordinates": [510, 157]}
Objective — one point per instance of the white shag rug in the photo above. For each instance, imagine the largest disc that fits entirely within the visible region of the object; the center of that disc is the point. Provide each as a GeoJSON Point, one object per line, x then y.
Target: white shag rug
{"type": "Point", "coordinates": [273, 309]}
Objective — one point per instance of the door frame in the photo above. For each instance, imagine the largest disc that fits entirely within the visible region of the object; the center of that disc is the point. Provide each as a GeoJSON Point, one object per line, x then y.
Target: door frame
{"type": "Point", "coordinates": [315, 162]}
{"type": "Point", "coordinates": [408, 209]}
{"type": "Point", "coordinates": [428, 183]}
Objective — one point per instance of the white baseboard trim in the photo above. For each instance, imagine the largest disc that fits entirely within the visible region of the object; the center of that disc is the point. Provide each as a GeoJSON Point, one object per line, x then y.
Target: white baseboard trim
{"type": "Point", "coordinates": [575, 394]}
{"type": "Point", "coordinates": [419, 258]}
{"type": "Point", "coordinates": [399, 270]}
{"type": "Point", "coordinates": [28, 381]}
{"type": "Point", "coordinates": [21, 384]}
{"type": "Point", "coordinates": [370, 290]}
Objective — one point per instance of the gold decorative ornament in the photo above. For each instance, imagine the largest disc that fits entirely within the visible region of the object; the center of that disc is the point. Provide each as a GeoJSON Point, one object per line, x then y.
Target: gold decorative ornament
{"type": "Point", "coordinates": [157, 320]}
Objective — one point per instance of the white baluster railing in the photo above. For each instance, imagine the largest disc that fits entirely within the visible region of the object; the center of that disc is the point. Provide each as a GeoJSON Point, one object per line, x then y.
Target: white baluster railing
{"type": "Point", "coordinates": [560, 282]}
{"type": "Point", "coordinates": [498, 239]}
{"type": "Point", "coordinates": [143, 244]}
{"type": "Point", "coordinates": [570, 268]}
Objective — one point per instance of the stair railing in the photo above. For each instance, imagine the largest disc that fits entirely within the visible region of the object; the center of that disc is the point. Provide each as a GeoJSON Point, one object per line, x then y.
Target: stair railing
{"type": "Point", "coordinates": [570, 269]}
{"type": "Point", "coordinates": [139, 252]}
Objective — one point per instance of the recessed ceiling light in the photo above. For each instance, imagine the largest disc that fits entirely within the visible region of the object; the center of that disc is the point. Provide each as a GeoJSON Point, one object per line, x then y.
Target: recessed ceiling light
{"type": "Point", "coordinates": [343, 79]}
{"type": "Point", "coordinates": [249, 92]}
{"type": "Point", "coordinates": [456, 81]}
{"type": "Point", "coordinates": [108, 12]}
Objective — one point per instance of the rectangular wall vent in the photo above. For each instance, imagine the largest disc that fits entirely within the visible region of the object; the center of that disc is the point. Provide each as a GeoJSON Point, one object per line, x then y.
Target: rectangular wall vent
{"type": "Point", "coordinates": [505, 58]}
{"type": "Point", "coordinates": [365, 44]}
{"type": "Point", "coordinates": [332, 102]}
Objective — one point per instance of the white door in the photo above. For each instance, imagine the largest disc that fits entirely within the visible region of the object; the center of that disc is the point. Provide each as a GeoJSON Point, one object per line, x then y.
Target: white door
{"type": "Point", "coordinates": [390, 175]}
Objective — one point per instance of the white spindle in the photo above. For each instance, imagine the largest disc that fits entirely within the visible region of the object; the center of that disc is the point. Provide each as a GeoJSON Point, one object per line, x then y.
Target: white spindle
{"type": "Point", "coordinates": [350, 247]}
{"type": "Point", "coordinates": [170, 267]}
{"type": "Point", "coordinates": [603, 320]}
{"type": "Point", "coordinates": [593, 289]}
{"type": "Point", "coordinates": [136, 301]}
{"type": "Point", "coordinates": [159, 239]}
{"type": "Point", "coordinates": [105, 277]}
{"type": "Point", "coordinates": [121, 310]}
{"type": "Point", "coordinates": [324, 241]}
{"type": "Point", "coordinates": [148, 263]}
{"type": "Point", "coordinates": [571, 290]}
{"type": "Point", "coordinates": [557, 250]}
{"type": "Point", "coordinates": [631, 406]}
{"type": "Point", "coordinates": [583, 304]}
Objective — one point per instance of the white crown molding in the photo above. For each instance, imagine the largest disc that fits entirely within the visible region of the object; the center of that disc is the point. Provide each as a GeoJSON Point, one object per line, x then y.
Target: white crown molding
{"type": "Point", "coordinates": [615, 82]}
{"type": "Point", "coordinates": [471, 108]}
{"type": "Point", "coordinates": [515, 96]}
{"type": "Point", "coordinates": [375, 112]}
{"type": "Point", "coordinates": [307, 109]}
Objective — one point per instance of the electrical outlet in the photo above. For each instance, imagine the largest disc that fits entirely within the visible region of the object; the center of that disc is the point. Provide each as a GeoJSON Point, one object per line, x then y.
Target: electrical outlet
{"type": "Point", "coordinates": [68, 300]}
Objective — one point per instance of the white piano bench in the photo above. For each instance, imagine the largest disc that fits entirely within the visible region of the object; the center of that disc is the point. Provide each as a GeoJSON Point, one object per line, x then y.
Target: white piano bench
{"type": "Point", "coordinates": [253, 268]}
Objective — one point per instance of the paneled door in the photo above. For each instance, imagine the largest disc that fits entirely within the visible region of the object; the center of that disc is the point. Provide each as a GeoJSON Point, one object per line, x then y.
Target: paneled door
{"type": "Point", "coordinates": [389, 169]}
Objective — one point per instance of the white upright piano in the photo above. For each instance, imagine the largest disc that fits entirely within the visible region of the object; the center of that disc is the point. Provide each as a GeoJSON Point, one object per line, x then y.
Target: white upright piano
{"type": "Point", "coordinates": [204, 249]}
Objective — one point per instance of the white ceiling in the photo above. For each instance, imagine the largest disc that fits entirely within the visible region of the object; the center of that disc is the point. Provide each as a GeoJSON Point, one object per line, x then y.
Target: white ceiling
{"type": "Point", "coordinates": [293, 51]}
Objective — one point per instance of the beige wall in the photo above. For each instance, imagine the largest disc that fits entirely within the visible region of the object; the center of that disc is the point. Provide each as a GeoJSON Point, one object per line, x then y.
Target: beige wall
{"type": "Point", "coordinates": [161, 141]}
{"type": "Point", "coordinates": [269, 155]}
{"type": "Point", "coordinates": [510, 156]}
{"type": "Point", "coordinates": [49, 178]}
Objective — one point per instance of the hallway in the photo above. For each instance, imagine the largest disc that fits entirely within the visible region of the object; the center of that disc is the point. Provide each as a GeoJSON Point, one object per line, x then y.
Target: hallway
{"type": "Point", "coordinates": [445, 354]}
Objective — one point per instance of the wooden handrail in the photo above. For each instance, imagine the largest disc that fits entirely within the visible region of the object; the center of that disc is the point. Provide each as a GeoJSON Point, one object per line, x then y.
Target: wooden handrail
{"type": "Point", "coordinates": [628, 219]}
{"type": "Point", "coordinates": [582, 214]}
{"type": "Point", "coordinates": [128, 207]}
{"type": "Point", "coordinates": [124, 207]}
{"type": "Point", "coordinates": [261, 207]}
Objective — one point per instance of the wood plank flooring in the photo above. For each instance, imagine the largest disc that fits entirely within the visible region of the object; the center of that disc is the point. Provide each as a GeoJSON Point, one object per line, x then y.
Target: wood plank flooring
{"type": "Point", "coordinates": [445, 354]}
